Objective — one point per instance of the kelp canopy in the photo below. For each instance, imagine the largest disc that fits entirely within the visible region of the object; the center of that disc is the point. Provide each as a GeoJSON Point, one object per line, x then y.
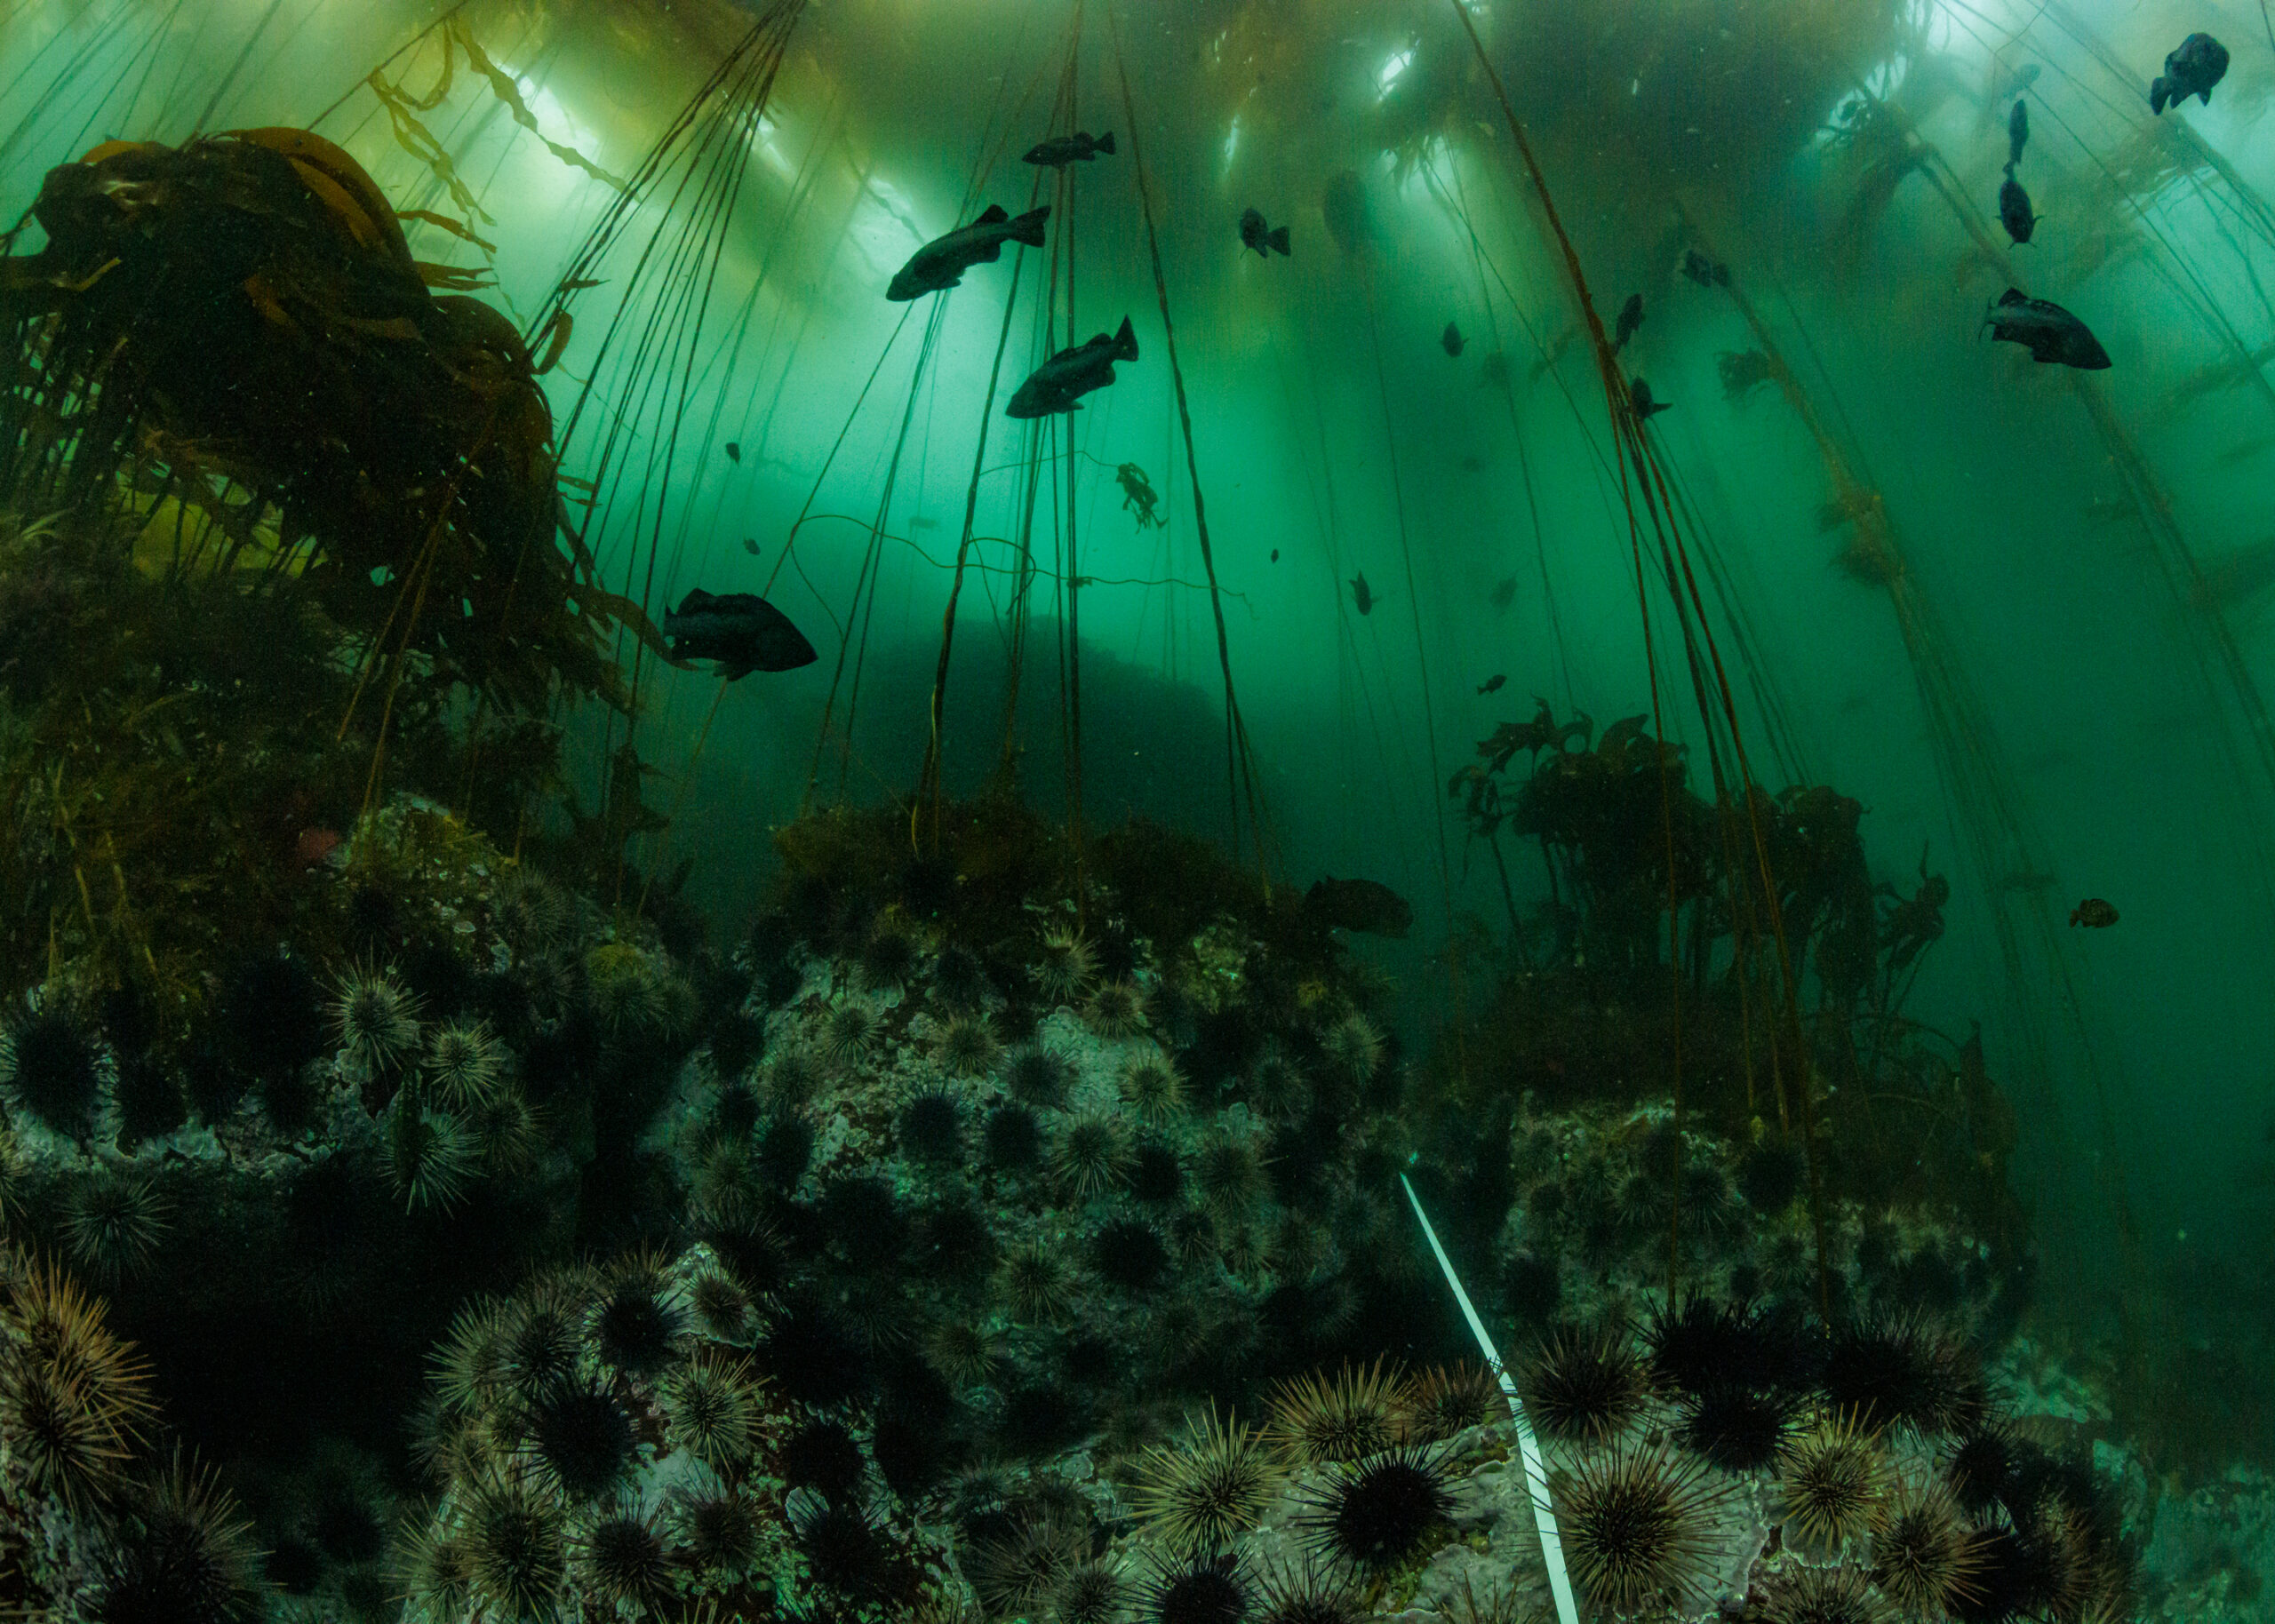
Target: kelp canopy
{"type": "Point", "coordinates": [235, 328]}
{"type": "Point", "coordinates": [276, 513]}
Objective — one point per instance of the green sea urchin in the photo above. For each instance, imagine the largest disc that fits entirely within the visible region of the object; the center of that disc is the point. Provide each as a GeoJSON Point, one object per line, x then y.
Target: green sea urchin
{"type": "Point", "coordinates": [1832, 1482]}
{"type": "Point", "coordinates": [1091, 1156]}
{"type": "Point", "coordinates": [1115, 1009]}
{"type": "Point", "coordinates": [1924, 1553]}
{"type": "Point", "coordinates": [463, 1064]}
{"type": "Point", "coordinates": [1317, 1419]}
{"type": "Point", "coordinates": [968, 1046]}
{"type": "Point", "coordinates": [373, 1017]}
{"type": "Point", "coordinates": [1197, 1494]}
{"type": "Point", "coordinates": [1069, 963]}
{"type": "Point", "coordinates": [112, 1222]}
{"type": "Point", "coordinates": [1154, 1089]}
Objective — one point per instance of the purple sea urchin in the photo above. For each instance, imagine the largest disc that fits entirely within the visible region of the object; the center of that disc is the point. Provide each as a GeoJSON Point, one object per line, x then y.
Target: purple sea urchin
{"type": "Point", "coordinates": [1585, 1385]}
{"type": "Point", "coordinates": [1444, 1400]}
{"type": "Point", "coordinates": [1040, 1077]}
{"type": "Point", "coordinates": [1207, 1589]}
{"type": "Point", "coordinates": [623, 1561]}
{"type": "Point", "coordinates": [1739, 1429]}
{"type": "Point", "coordinates": [1375, 1513]}
{"type": "Point", "coordinates": [1635, 1524]}
{"type": "Point", "coordinates": [1892, 1370]}
{"type": "Point", "coordinates": [1806, 1594]}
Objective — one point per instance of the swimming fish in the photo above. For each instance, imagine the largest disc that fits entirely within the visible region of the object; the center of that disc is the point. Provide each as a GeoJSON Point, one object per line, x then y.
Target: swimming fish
{"type": "Point", "coordinates": [2017, 133]}
{"type": "Point", "coordinates": [2200, 63]}
{"type": "Point", "coordinates": [1630, 317]}
{"type": "Point", "coordinates": [741, 631]}
{"type": "Point", "coordinates": [750, 545]}
{"type": "Point", "coordinates": [1451, 339]}
{"type": "Point", "coordinates": [1275, 555]}
{"type": "Point", "coordinates": [734, 452]}
{"type": "Point", "coordinates": [1638, 395]}
{"type": "Point", "coordinates": [921, 524]}
{"type": "Point", "coordinates": [2014, 84]}
{"type": "Point", "coordinates": [2049, 331]}
{"type": "Point", "coordinates": [1256, 234]}
{"type": "Point", "coordinates": [1503, 592]}
{"type": "Point", "coordinates": [2013, 208]}
{"type": "Point", "coordinates": [1492, 684]}
{"type": "Point", "coordinates": [1060, 150]}
{"type": "Point", "coordinates": [1361, 593]}
{"type": "Point", "coordinates": [941, 263]}
{"type": "Point", "coordinates": [1055, 385]}
{"type": "Point", "coordinates": [1706, 272]}
{"type": "Point", "coordinates": [1358, 904]}
{"type": "Point", "coordinates": [2093, 913]}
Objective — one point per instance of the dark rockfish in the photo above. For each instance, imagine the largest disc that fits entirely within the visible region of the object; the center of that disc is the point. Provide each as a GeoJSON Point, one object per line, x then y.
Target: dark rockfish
{"type": "Point", "coordinates": [941, 263]}
{"type": "Point", "coordinates": [1630, 317]}
{"type": "Point", "coordinates": [2017, 133]}
{"type": "Point", "coordinates": [2200, 63]}
{"type": "Point", "coordinates": [2015, 210]}
{"type": "Point", "coordinates": [1060, 150]}
{"type": "Point", "coordinates": [1452, 340]}
{"type": "Point", "coordinates": [2049, 331]}
{"type": "Point", "coordinates": [1055, 385]}
{"type": "Point", "coordinates": [1361, 593]}
{"type": "Point", "coordinates": [1706, 272]}
{"type": "Point", "coordinates": [2093, 913]}
{"type": "Point", "coordinates": [1492, 684]}
{"type": "Point", "coordinates": [1358, 904]}
{"type": "Point", "coordinates": [1256, 234]}
{"type": "Point", "coordinates": [1638, 395]}
{"type": "Point", "coordinates": [740, 629]}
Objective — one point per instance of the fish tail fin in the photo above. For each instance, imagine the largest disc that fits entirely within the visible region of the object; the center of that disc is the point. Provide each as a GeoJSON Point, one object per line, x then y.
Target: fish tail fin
{"type": "Point", "coordinates": [2014, 296]}
{"type": "Point", "coordinates": [2158, 94]}
{"type": "Point", "coordinates": [2205, 95]}
{"type": "Point", "coordinates": [994, 212]}
{"type": "Point", "coordinates": [1028, 227]}
{"type": "Point", "coordinates": [1104, 143]}
{"type": "Point", "coordinates": [1125, 342]}
{"type": "Point", "coordinates": [2011, 169]}
{"type": "Point", "coordinates": [1279, 239]}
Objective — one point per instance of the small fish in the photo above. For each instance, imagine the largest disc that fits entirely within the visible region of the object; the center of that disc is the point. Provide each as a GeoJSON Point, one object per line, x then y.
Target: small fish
{"type": "Point", "coordinates": [1056, 385]}
{"type": "Point", "coordinates": [1361, 593]}
{"type": "Point", "coordinates": [1638, 395]}
{"type": "Point", "coordinates": [2017, 133]}
{"type": "Point", "coordinates": [1706, 272]}
{"type": "Point", "coordinates": [2200, 63]}
{"type": "Point", "coordinates": [2049, 332]}
{"type": "Point", "coordinates": [1452, 340]}
{"type": "Point", "coordinates": [2093, 913]}
{"type": "Point", "coordinates": [741, 631]}
{"type": "Point", "coordinates": [1275, 555]}
{"type": "Point", "coordinates": [1494, 374]}
{"type": "Point", "coordinates": [1256, 234]}
{"type": "Point", "coordinates": [1060, 150]}
{"type": "Point", "coordinates": [923, 524]}
{"type": "Point", "coordinates": [750, 545]}
{"type": "Point", "coordinates": [1358, 904]}
{"type": "Point", "coordinates": [734, 451]}
{"type": "Point", "coordinates": [2013, 208]}
{"type": "Point", "coordinates": [941, 263]}
{"type": "Point", "coordinates": [2014, 84]}
{"type": "Point", "coordinates": [1630, 317]}
{"type": "Point", "coordinates": [1492, 684]}
{"type": "Point", "coordinates": [1503, 592]}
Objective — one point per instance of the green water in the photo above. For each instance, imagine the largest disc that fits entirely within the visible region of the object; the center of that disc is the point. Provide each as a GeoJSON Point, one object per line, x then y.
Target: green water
{"type": "Point", "coordinates": [2058, 700]}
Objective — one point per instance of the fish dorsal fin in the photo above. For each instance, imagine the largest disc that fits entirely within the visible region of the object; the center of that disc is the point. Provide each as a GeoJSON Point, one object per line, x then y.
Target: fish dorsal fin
{"type": "Point", "coordinates": [994, 212]}
{"type": "Point", "coordinates": [2014, 296]}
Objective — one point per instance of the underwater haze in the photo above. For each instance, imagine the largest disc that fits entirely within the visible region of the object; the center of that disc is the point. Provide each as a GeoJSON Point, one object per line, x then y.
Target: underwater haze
{"type": "Point", "coordinates": [1742, 526]}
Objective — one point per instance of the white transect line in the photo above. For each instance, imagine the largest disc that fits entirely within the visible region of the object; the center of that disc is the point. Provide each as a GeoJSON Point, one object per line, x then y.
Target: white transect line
{"type": "Point", "coordinates": [1544, 1510]}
